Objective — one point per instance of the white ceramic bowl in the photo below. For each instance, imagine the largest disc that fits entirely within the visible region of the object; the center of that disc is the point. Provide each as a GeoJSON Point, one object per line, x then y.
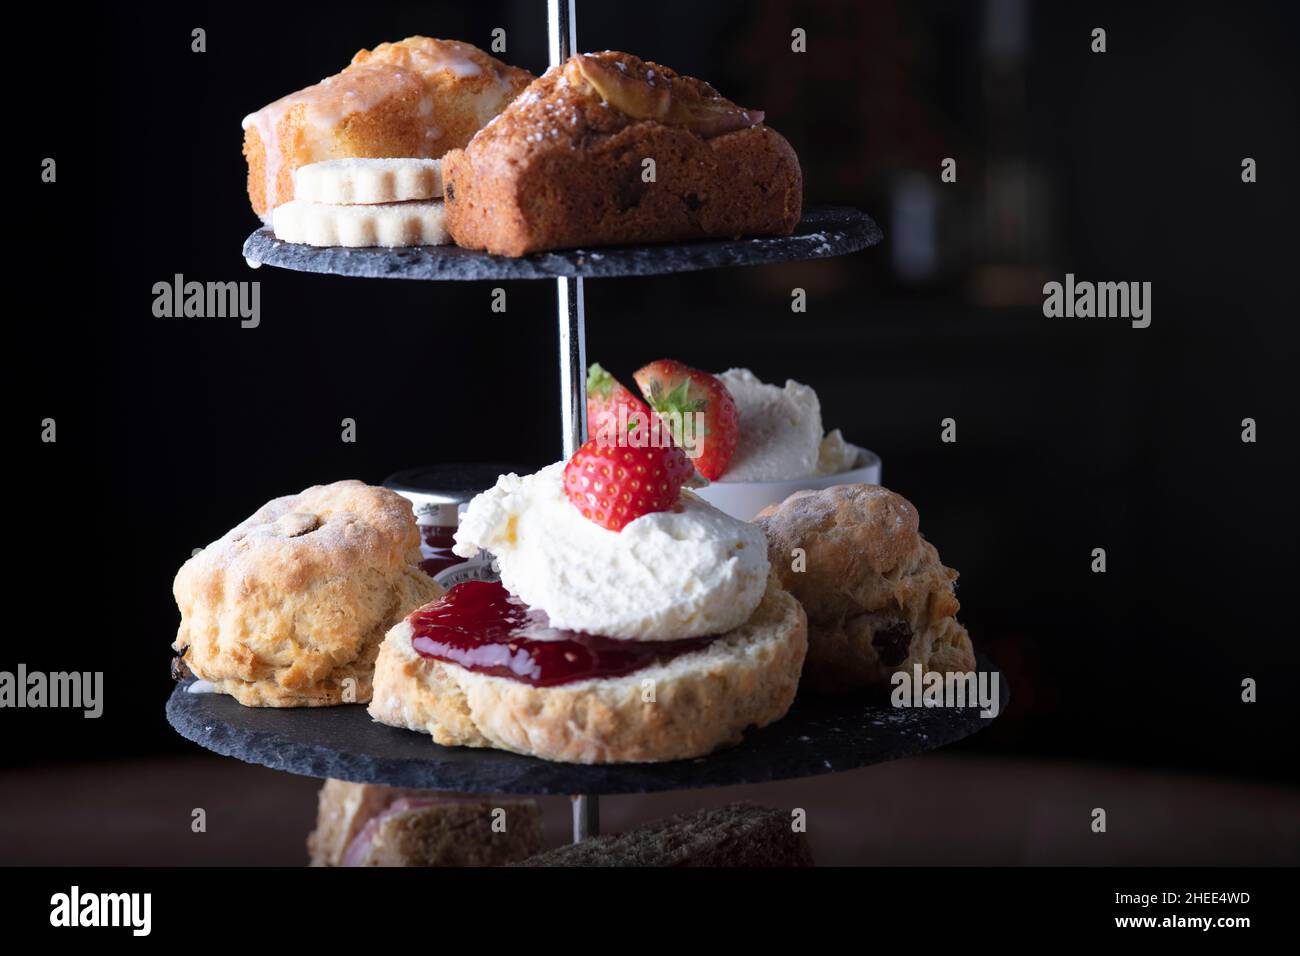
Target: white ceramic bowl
{"type": "Point", "coordinates": [744, 499]}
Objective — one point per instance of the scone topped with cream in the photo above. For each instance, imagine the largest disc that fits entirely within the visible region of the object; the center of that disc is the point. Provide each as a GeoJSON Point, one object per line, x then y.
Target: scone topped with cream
{"type": "Point", "coordinates": [633, 621]}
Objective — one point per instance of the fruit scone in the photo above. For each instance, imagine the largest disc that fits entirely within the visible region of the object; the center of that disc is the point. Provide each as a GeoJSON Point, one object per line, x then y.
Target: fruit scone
{"type": "Point", "coordinates": [878, 598]}
{"type": "Point", "coordinates": [607, 148]}
{"type": "Point", "coordinates": [288, 608]}
{"type": "Point", "coordinates": [632, 622]}
{"type": "Point", "coordinates": [418, 97]}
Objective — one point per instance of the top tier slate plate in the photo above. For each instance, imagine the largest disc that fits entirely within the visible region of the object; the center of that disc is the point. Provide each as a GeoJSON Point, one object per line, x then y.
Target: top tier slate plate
{"type": "Point", "coordinates": [825, 231]}
{"type": "Point", "coordinates": [819, 735]}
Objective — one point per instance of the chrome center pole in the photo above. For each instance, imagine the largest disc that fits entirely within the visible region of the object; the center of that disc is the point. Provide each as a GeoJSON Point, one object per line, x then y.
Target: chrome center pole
{"type": "Point", "coordinates": [561, 29]}
{"type": "Point", "coordinates": [562, 33]}
{"type": "Point", "coordinates": [573, 363]}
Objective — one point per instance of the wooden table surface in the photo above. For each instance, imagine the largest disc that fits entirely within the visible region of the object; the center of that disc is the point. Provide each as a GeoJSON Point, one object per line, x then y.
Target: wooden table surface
{"type": "Point", "coordinates": [935, 809]}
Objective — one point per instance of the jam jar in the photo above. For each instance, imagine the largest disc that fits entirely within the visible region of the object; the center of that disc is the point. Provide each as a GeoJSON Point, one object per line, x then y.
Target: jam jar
{"type": "Point", "coordinates": [438, 494]}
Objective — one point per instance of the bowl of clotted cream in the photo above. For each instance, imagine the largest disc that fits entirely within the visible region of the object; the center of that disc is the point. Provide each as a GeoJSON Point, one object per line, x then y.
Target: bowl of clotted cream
{"type": "Point", "coordinates": [782, 449]}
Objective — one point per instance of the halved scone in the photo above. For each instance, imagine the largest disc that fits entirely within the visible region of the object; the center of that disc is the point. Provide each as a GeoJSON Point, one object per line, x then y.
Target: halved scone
{"type": "Point", "coordinates": [685, 707]}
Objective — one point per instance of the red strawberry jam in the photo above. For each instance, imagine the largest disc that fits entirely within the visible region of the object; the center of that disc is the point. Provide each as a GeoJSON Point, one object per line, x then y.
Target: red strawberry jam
{"type": "Point", "coordinates": [481, 627]}
{"type": "Point", "coordinates": [435, 549]}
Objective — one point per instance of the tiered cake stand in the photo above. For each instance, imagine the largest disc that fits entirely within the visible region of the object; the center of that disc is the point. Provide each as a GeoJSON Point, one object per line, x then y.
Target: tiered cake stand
{"type": "Point", "coordinates": [819, 735]}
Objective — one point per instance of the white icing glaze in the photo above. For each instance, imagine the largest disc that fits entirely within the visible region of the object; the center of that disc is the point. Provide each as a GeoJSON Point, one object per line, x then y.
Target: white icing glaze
{"type": "Point", "coordinates": [358, 88]}
{"type": "Point", "coordinates": [367, 81]}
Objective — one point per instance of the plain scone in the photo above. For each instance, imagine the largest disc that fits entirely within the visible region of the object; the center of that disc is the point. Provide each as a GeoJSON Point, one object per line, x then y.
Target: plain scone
{"type": "Point", "coordinates": [877, 596]}
{"type": "Point", "coordinates": [703, 700]}
{"type": "Point", "coordinates": [419, 97]}
{"type": "Point", "coordinates": [564, 164]}
{"type": "Point", "coordinates": [289, 607]}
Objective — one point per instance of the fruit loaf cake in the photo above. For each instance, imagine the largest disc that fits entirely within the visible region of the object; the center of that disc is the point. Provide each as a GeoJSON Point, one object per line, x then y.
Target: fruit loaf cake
{"type": "Point", "coordinates": [568, 164]}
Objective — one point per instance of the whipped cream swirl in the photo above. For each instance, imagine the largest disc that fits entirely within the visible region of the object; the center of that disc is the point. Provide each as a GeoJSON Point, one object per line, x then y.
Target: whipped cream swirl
{"type": "Point", "coordinates": [689, 572]}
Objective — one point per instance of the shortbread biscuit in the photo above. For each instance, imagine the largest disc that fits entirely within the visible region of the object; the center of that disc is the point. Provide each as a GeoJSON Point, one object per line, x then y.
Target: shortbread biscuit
{"type": "Point", "coordinates": [702, 700]}
{"type": "Point", "coordinates": [418, 97]}
{"type": "Point", "coordinates": [386, 224]}
{"type": "Point", "coordinates": [344, 182]}
{"type": "Point", "coordinates": [877, 596]}
{"type": "Point", "coordinates": [289, 607]}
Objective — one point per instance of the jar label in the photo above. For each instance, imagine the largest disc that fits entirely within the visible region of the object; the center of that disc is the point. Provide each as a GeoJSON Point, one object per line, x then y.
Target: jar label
{"type": "Point", "coordinates": [477, 568]}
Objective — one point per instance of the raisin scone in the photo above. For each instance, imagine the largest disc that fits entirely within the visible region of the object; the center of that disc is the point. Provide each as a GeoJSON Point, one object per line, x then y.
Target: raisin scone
{"type": "Point", "coordinates": [568, 164]}
{"type": "Point", "coordinates": [877, 596]}
{"type": "Point", "coordinates": [288, 608]}
{"type": "Point", "coordinates": [415, 98]}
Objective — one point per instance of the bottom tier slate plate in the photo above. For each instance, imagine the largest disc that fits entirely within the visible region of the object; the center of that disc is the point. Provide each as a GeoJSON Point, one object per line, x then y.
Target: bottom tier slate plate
{"type": "Point", "coordinates": [819, 735]}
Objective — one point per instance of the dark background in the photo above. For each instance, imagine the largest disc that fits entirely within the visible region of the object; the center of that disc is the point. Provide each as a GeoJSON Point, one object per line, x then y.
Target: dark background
{"type": "Point", "coordinates": [1073, 433]}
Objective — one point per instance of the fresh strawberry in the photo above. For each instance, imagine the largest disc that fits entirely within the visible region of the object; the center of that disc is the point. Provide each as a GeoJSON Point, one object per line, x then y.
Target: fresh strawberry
{"type": "Point", "coordinates": [612, 486]}
{"type": "Point", "coordinates": [676, 391]}
{"type": "Point", "coordinates": [605, 397]}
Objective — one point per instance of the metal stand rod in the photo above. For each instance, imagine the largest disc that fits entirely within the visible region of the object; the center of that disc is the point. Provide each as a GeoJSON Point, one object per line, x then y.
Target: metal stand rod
{"type": "Point", "coordinates": [573, 363]}
{"type": "Point", "coordinates": [586, 817]}
{"type": "Point", "coordinates": [561, 29]}
{"type": "Point", "coordinates": [562, 33]}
